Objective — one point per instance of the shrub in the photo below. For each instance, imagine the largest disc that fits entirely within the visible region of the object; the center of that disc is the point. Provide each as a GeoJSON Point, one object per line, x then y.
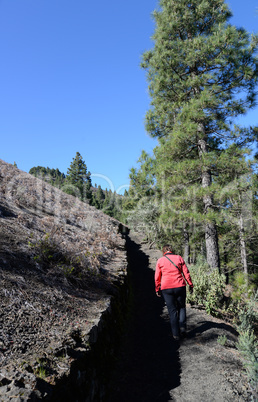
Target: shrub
{"type": "Point", "coordinates": [242, 288]}
{"type": "Point", "coordinates": [248, 315]}
{"type": "Point", "coordinates": [247, 341]}
{"type": "Point", "coordinates": [222, 340]}
{"type": "Point", "coordinates": [209, 287]}
{"type": "Point", "coordinates": [45, 249]}
{"type": "Point", "coordinates": [248, 346]}
{"type": "Point", "coordinates": [48, 253]}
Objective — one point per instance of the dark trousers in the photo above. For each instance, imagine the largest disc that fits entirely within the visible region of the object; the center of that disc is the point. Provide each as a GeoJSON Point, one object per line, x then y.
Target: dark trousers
{"type": "Point", "coordinates": [175, 301]}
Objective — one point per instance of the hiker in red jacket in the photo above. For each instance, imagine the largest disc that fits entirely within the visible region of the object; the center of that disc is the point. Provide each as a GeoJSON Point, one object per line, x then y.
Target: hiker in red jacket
{"type": "Point", "coordinates": [170, 278]}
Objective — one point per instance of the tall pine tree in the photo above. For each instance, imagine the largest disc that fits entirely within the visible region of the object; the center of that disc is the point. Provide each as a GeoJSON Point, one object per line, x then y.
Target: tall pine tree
{"type": "Point", "coordinates": [202, 73]}
{"type": "Point", "coordinates": [79, 177]}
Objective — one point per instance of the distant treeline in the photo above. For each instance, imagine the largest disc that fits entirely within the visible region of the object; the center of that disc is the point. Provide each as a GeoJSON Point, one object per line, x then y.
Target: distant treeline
{"type": "Point", "coordinates": [77, 182]}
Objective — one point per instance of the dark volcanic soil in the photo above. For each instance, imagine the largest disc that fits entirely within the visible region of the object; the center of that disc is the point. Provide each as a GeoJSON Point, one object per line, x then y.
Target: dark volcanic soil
{"type": "Point", "coordinates": [152, 367]}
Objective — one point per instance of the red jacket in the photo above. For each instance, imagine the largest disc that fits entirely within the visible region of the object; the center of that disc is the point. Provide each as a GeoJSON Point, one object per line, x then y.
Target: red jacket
{"type": "Point", "coordinates": [167, 276]}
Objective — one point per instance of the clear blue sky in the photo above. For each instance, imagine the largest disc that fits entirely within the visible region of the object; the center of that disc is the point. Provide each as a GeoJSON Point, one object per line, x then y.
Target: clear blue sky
{"type": "Point", "coordinates": [70, 81]}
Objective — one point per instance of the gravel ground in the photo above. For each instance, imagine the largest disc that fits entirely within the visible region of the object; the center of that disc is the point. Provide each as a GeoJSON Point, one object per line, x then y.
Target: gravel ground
{"type": "Point", "coordinates": [152, 367]}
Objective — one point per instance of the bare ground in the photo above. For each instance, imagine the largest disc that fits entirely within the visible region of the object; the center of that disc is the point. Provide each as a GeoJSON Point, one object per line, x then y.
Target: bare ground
{"type": "Point", "coordinates": [60, 263]}
{"type": "Point", "coordinates": [153, 367]}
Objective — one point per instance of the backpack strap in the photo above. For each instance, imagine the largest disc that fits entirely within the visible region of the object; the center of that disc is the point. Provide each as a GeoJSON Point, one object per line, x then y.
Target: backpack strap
{"type": "Point", "coordinates": [174, 264]}
{"type": "Point", "coordinates": [181, 272]}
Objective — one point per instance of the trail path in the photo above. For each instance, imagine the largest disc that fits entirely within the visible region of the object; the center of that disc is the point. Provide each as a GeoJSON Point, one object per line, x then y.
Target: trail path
{"type": "Point", "coordinates": [151, 367]}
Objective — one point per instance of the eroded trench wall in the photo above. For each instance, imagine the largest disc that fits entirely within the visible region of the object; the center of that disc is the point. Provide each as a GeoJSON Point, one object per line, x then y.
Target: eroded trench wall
{"type": "Point", "coordinates": [90, 372]}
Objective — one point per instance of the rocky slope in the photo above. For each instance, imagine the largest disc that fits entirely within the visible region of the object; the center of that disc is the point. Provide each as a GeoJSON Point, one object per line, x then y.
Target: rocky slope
{"type": "Point", "coordinates": [61, 263]}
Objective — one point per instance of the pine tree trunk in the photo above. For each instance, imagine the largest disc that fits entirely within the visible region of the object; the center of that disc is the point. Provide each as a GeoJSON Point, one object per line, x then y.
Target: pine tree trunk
{"type": "Point", "coordinates": [225, 257]}
{"type": "Point", "coordinates": [212, 245]}
{"type": "Point", "coordinates": [186, 245]}
{"type": "Point", "coordinates": [211, 238]}
{"type": "Point", "coordinates": [243, 246]}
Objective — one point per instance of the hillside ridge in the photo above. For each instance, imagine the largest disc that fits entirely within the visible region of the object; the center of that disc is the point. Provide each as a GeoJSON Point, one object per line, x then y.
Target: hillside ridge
{"type": "Point", "coordinates": [61, 262]}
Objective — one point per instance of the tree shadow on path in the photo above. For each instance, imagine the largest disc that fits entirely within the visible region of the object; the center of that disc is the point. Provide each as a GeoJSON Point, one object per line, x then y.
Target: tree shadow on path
{"type": "Point", "coordinates": [148, 364]}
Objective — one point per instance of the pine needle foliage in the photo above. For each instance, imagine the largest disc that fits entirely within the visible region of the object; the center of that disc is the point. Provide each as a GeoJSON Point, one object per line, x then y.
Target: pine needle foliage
{"type": "Point", "coordinates": [202, 73]}
{"type": "Point", "coordinates": [247, 341]}
{"type": "Point", "coordinates": [79, 179]}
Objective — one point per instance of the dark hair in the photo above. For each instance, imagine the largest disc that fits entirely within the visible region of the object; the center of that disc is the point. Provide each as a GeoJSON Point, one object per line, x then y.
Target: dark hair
{"type": "Point", "coordinates": [166, 248]}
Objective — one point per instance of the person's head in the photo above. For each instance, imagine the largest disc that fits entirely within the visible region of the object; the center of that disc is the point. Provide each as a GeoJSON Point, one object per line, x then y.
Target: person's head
{"type": "Point", "coordinates": [167, 248]}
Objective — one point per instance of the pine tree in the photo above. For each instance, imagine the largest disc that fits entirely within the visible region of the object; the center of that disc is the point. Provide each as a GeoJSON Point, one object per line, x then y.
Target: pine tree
{"type": "Point", "coordinates": [52, 176]}
{"type": "Point", "coordinates": [98, 198]}
{"type": "Point", "coordinates": [238, 215]}
{"type": "Point", "coordinates": [139, 204]}
{"type": "Point", "coordinates": [109, 203]}
{"type": "Point", "coordinates": [202, 73]}
{"type": "Point", "coordinates": [142, 180]}
{"type": "Point", "coordinates": [79, 178]}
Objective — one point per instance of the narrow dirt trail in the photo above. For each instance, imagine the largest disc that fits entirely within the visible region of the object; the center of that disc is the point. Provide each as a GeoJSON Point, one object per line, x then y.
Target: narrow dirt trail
{"type": "Point", "coordinates": [152, 367]}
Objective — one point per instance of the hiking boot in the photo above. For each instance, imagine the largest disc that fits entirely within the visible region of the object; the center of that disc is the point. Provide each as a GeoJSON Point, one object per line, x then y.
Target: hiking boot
{"type": "Point", "coordinates": [183, 332]}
